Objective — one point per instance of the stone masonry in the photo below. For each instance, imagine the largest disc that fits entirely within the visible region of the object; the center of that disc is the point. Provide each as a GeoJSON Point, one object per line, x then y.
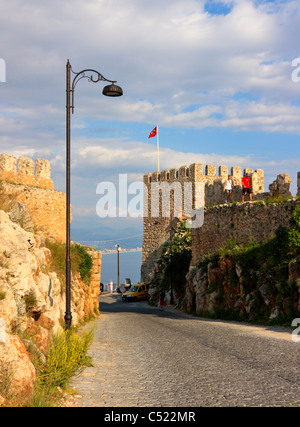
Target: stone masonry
{"type": "Point", "coordinates": [256, 221]}
{"type": "Point", "coordinates": [29, 183]}
{"type": "Point", "coordinates": [189, 189]}
{"type": "Point", "coordinates": [22, 171]}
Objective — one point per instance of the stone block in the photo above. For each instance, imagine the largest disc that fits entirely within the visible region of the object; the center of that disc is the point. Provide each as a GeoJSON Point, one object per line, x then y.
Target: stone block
{"type": "Point", "coordinates": [211, 170]}
{"type": "Point", "coordinates": [223, 171]}
{"type": "Point", "coordinates": [196, 171]}
{"type": "Point", "coordinates": [25, 165]}
{"type": "Point", "coordinates": [183, 171]}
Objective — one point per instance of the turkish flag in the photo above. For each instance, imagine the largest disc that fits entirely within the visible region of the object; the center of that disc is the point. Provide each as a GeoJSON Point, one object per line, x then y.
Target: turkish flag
{"type": "Point", "coordinates": [153, 133]}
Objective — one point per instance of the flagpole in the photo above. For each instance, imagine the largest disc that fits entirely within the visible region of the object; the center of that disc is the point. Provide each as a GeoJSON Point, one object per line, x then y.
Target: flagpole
{"type": "Point", "coordinates": [157, 148]}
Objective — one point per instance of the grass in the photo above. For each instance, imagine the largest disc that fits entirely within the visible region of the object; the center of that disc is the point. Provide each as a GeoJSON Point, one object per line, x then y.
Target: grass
{"type": "Point", "coordinates": [81, 261]}
{"type": "Point", "coordinates": [262, 263]}
{"type": "Point", "coordinates": [67, 357]}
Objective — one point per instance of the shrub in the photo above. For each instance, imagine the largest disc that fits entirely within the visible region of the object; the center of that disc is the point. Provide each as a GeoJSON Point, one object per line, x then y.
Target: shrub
{"type": "Point", "coordinates": [294, 232]}
{"type": "Point", "coordinates": [175, 259]}
{"type": "Point", "coordinates": [81, 261]}
{"type": "Point", "coordinates": [30, 301]}
{"type": "Point", "coordinates": [67, 357]}
{"type": "Point", "coordinates": [85, 262]}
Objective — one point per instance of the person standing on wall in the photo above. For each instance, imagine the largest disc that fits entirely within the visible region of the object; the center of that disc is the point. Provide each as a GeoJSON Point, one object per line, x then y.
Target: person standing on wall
{"type": "Point", "coordinates": [246, 187]}
{"type": "Point", "coordinates": [228, 187]}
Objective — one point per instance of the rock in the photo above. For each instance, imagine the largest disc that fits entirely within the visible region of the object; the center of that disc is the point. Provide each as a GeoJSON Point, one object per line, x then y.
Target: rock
{"type": "Point", "coordinates": [281, 186]}
{"type": "Point", "coordinates": [21, 373]}
{"type": "Point", "coordinates": [275, 312]}
{"type": "Point", "coordinates": [252, 307]}
{"type": "Point", "coordinates": [238, 270]}
{"type": "Point", "coordinates": [19, 213]}
{"type": "Point", "coordinates": [32, 298]}
{"type": "Point", "coordinates": [267, 293]}
{"type": "Point", "coordinates": [212, 273]}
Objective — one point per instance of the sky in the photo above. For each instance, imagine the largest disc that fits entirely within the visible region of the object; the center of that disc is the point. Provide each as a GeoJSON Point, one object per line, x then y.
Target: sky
{"type": "Point", "coordinates": [220, 79]}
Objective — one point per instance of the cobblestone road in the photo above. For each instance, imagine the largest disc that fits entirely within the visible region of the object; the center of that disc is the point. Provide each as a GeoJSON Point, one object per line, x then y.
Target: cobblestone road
{"type": "Point", "coordinates": [145, 357]}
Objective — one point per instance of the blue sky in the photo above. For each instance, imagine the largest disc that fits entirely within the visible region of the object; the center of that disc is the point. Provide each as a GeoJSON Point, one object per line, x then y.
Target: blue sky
{"type": "Point", "coordinates": [216, 76]}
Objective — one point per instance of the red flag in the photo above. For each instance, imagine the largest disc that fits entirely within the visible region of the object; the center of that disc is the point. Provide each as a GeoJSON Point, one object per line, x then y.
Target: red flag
{"type": "Point", "coordinates": [153, 133]}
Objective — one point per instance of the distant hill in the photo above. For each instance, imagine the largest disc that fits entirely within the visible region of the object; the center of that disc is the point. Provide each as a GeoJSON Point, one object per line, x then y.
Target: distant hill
{"type": "Point", "coordinates": [105, 236]}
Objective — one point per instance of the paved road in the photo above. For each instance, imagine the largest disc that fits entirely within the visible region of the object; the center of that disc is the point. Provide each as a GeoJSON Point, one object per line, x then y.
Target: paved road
{"type": "Point", "coordinates": [145, 357]}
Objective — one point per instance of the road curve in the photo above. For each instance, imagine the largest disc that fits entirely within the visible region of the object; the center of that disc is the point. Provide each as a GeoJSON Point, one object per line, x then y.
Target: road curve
{"type": "Point", "coordinates": [147, 358]}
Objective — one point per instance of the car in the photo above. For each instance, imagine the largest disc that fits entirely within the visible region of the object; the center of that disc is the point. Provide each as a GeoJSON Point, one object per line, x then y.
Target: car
{"type": "Point", "coordinates": [136, 292]}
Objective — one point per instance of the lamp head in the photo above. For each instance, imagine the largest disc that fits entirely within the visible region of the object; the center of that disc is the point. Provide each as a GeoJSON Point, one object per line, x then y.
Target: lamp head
{"type": "Point", "coordinates": [112, 90]}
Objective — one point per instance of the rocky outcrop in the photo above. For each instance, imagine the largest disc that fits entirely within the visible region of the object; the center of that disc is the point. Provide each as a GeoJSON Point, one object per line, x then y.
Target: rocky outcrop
{"type": "Point", "coordinates": [32, 300]}
{"type": "Point", "coordinates": [281, 186]}
{"type": "Point", "coordinates": [224, 288]}
{"type": "Point", "coordinates": [17, 369]}
{"type": "Point", "coordinates": [46, 207]}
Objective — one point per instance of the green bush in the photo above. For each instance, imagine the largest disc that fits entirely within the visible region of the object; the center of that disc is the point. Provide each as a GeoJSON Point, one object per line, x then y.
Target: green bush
{"type": "Point", "coordinates": [175, 259]}
{"type": "Point", "coordinates": [81, 261]}
{"type": "Point", "coordinates": [294, 232]}
{"type": "Point", "coordinates": [67, 357]}
{"type": "Point", "coordinates": [85, 262]}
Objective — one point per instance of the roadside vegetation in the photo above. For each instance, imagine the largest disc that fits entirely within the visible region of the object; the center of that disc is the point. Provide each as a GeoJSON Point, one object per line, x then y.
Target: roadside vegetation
{"type": "Point", "coordinates": [81, 261]}
{"type": "Point", "coordinates": [66, 358]}
{"type": "Point", "coordinates": [174, 261]}
{"type": "Point", "coordinates": [269, 275]}
{"type": "Point", "coordinates": [272, 266]}
{"type": "Point", "coordinates": [67, 354]}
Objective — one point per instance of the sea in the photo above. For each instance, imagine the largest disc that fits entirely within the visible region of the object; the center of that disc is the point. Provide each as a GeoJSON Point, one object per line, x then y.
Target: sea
{"type": "Point", "coordinates": [130, 267]}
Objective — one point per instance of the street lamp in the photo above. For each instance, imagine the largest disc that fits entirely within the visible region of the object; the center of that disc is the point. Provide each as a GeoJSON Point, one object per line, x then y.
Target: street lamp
{"type": "Point", "coordinates": [111, 90]}
{"type": "Point", "coordinates": [172, 229]}
{"type": "Point", "coordinates": [118, 251]}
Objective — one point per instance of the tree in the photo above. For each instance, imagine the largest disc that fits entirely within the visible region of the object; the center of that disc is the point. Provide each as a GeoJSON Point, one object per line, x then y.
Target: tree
{"type": "Point", "coordinates": [175, 258]}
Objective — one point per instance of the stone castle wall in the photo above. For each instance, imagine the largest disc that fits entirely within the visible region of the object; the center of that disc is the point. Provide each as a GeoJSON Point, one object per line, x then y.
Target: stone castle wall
{"type": "Point", "coordinates": [213, 182]}
{"type": "Point", "coordinates": [29, 183]}
{"type": "Point", "coordinates": [240, 223]}
{"type": "Point", "coordinates": [196, 189]}
{"type": "Point", "coordinates": [26, 270]}
{"type": "Point", "coordinates": [25, 171]}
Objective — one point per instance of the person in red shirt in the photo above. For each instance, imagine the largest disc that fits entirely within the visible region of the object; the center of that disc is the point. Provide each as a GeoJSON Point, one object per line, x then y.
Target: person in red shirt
{"type": "Point", "coordinates": [246, 187]}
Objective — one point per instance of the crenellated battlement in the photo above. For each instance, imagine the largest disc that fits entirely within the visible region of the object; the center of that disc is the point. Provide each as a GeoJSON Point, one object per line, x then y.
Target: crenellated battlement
{"type": "Point", "coordinates": [184, 186]}
{"type": "Point", "coordinates": [25, 171]}
{"type": "Point", "coordinates": [24, 181]}
{"type": "Point", "coordinates": [213, 181]}
{"type": "Point", "coordinates": [190, 188]}
{"type": "Point", "coordinates": [195, 171]}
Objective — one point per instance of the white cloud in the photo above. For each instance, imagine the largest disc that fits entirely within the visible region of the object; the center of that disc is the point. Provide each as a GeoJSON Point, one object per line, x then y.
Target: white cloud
{"type": "Point", "coordinates": [179, 66]}
{"type": "Point", "coordinates": [154, 52]}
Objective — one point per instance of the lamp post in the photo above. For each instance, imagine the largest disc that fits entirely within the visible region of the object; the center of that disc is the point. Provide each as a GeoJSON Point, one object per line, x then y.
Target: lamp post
{"type": "Point", "coordinates": [118, 252]}
{"type": "Point", "coordinates": [110, 90]}
{"type": "Point", "coordinates": [171, 256]}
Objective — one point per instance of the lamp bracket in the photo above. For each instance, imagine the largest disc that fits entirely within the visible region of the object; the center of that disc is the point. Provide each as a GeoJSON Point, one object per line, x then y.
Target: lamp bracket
{"type": "Point", "coordinates": [94, 78]}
